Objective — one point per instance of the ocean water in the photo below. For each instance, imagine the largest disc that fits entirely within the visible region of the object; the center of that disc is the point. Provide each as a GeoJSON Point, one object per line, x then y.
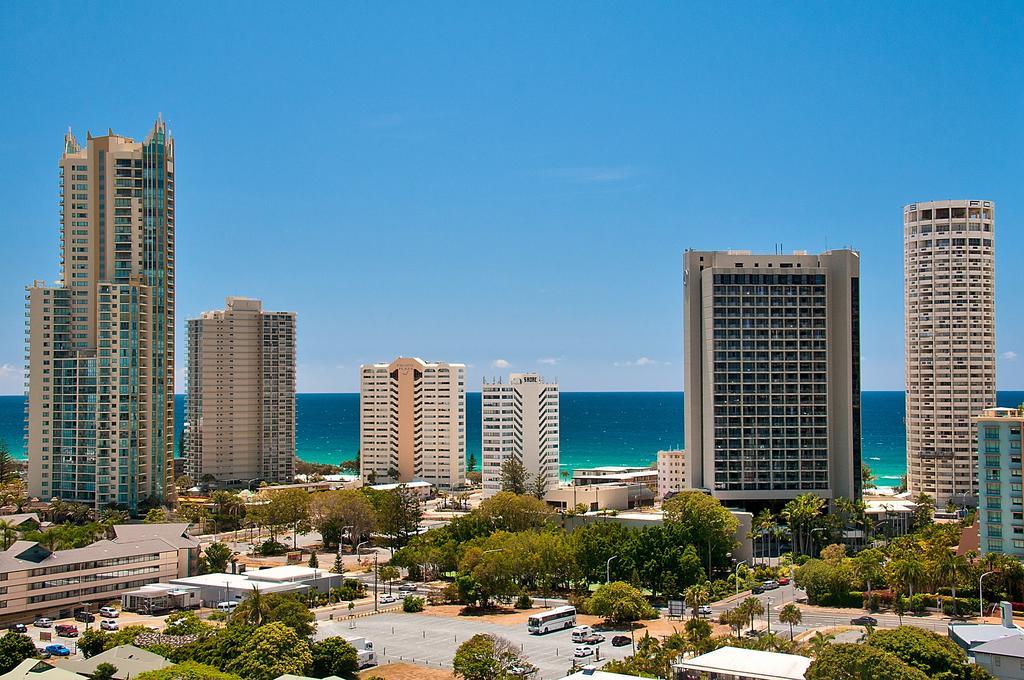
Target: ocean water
{"type": "Point", "coordinates": [598, 428]}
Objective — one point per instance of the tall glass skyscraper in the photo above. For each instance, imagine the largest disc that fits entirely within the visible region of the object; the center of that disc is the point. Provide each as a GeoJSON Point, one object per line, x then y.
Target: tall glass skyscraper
{"type": "Point", "coordinates": [100, 341]}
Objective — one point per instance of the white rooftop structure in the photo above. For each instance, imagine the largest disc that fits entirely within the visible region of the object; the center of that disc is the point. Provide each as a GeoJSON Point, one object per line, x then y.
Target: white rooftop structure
{"type": "Point", "coordinates": [591, 673]}
{"type": "Point", "coordinates": [745, 664]}
{"type": "Point", "coordinates": [288, 573]}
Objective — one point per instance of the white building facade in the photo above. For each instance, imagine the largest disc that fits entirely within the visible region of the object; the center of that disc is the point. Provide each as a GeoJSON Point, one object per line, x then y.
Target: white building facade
{"type": "Point", "coordinates": [671, 472]}
{"type": "Point", "coordinates": [521, 421]}
{"type": "Point", "coordinates": [412, 422]}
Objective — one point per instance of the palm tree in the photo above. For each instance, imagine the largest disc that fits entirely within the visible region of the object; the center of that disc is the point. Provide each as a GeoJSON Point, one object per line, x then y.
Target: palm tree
{"type": "Point", "coordinates": [899, 608]}
{"type": "Point", "coordinates": [802, 513]}
{"type": "Point", "coordinates": [908, 571]}
{"type": "Point", "coordinates": [792, 615]}
{"type": "Point", "coordinates": [254, 610]}
{"type": "Point", "coordinates": [952, 567]}
{"type": "Point", "coordinates": [9, 533]}
{"type": "Point", "coordinates": [752, 607]}
{"type": "Point", "coordinates": [819, 642]}
{"type": "Point", "coordinates": [695, 596]}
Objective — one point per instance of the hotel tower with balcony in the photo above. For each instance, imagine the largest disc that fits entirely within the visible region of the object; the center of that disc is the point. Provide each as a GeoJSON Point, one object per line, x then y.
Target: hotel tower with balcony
{"type": "Point", "coordinates": [950, 342]}
{"type": "Point", "coordinates": [100, 341]}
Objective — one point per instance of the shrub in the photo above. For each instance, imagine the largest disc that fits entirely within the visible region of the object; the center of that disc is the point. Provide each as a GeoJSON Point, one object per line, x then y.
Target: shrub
{"type": "Point", "coordinates": [922, 601]}
{"type": "Point", "coordinates": [412, 605]}
{"type": "Point", "coordinates": [963, 605]}
{"type": "Point", "coordinates": [524, 601]}
{"type": "Point", "coordinates": [271, 549]}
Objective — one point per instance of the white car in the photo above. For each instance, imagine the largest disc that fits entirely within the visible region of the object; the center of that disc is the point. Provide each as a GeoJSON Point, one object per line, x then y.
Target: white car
{"type": "Point", "coordinates": [108, 624]}
{"type": "Point", "coordinates": [43, 622]}
{"type": "Point", "coordinates": [109, 612]}
{"type": "Point", "coordinates": [387, 599]}
{"type": "Point", "coordinates": [583, 651]}
{"type": "Point", "coordinates": [704, 610]}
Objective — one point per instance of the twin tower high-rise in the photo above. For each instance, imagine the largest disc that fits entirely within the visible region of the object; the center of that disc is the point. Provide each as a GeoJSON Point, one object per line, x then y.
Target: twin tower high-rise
{"type": "Point", "coordinates": [100, 416]}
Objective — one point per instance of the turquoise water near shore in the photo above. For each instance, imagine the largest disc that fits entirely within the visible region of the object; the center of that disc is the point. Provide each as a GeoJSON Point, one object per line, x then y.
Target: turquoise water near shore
{"type": "Point", "coordinates": [598, 428]}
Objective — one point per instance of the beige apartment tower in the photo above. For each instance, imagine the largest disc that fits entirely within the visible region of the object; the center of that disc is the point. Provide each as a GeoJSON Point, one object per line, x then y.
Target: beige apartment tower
{"type": "Point", "coordinates": [100, 341]}
{"type": "Point", "coordinates": [412, 422]}
{"type": "Point", "coordinates": [240, 402]}
{"type": "Point", "coordinates": [520, 421]}
{"type": "Point", "coordinates": [950, 342]}
{"type": "Point", "coordinates": [772, 363]}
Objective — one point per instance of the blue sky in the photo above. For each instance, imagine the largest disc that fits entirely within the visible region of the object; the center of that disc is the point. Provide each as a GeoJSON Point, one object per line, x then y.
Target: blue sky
{"type": "Point", "coordinates": [512, 185]}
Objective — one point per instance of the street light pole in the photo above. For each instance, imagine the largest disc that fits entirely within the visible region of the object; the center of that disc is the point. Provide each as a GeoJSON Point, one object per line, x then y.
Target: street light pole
{"type": "Point", "coordinates": [768, 612]}
{"type": "Point", "coordinates": [736, 576]}
{"type": "Point", "coordinates": [608, 569]}
{"type": "Point", "coordinates": [981, 596]}
{"type": "Point", "coordinates": [374, 572]}
{"type": "Point", "coordinates": [812, 535]}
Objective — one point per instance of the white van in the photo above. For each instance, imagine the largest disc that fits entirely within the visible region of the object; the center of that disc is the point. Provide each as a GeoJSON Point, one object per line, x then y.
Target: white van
{"type": "Point", "coordinates": [227, 607]}
{"type": "Point", "coordinates": [581, 633]}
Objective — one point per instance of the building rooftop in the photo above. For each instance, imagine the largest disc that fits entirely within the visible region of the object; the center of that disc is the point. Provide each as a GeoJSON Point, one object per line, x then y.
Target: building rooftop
{"type": "Point", "coordinates": [174, 534]}
{"type": "Point", "coordinates": [591, 673]}
{"type": "Point", "coordinates": [128, 659]}
{"type": "Point", "coordinates": [749, 663]}
{"type": "Point", "coordinates": [971, 635]}
{"type": "Point", "coordinates": [1009, 645]}
{"type": "Point", "coordinates": [34, 669]}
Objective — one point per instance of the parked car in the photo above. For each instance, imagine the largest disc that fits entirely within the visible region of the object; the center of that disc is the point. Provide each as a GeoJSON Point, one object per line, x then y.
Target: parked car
{"type": "Point", "coordinates": [42, 653]}
{"type": "Point", "coordinates": [108, 612]}
{"type": "Point", "coordinates": [620, 641]}
{"type": "Point", "coordinates": [84, 616]}
{"type": "Point", "coordinates": [783, 581]}
{"type": "Point", "coordinates": [43, 622]}
{"type": "Point", "coordinates": [757, 590]}
{"type": "Point", "coordinates": [57, 650]}
{"type": "Point", "coordinates": [387, 599]}
{"type": "Point", "coordinates": [864, 621]}
{"type": "Point", "coordinates": [770, 585]}
{"type": "Point", "coordinates": [108, 624]}
{"type": "Point", "coordinates": [18, 628]}
{"type": "Point", "coordinates": [593, 639]}
{"type": "Point", "coordinates": [704, 610]}
{"type": "Point", "coordinates": [66, 630]}
{"type": "Point", "coordinates": [583, 651]}
{"type": "Point", "coordinates": [407, 588]}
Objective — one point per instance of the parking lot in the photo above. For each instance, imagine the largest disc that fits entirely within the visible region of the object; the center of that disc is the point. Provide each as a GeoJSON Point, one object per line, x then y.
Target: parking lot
{"type": "Point", "coordinates": [123, 619]}
{"type": "Point", "coordinates": [432, 640]}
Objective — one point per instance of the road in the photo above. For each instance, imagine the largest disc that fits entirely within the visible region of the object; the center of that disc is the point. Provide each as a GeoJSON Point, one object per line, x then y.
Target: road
{"type": "Point", "coordinates": [432, 640]}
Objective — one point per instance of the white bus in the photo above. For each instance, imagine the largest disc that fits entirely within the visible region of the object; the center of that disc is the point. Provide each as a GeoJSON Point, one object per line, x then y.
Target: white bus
{"type": "Point", "coordinates": [558, 618]}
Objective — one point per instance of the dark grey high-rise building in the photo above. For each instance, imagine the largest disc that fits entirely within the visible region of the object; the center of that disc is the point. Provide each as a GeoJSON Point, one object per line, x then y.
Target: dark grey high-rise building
{"type": "Point", "coordinates": [772, 362]}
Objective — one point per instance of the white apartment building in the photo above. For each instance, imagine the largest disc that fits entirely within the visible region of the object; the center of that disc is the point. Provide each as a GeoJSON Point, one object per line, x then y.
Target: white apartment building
{"type": "Point", "coordinates": [950, 341]}
{"type": "Point", "coordinates": [240, 402]}
{"type": "Point", "coordinates": [520, 420]}
{"type": "Point", "coordinates": [412, 422]}
{"type": "Point", "coordinates": [671, 472]}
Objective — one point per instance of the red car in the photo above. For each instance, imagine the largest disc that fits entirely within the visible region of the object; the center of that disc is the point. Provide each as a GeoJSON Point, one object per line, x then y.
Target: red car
{"type": "Point", "coordinates": [65, 630]}
{"type": "Point", "coordinates": [783, 581]}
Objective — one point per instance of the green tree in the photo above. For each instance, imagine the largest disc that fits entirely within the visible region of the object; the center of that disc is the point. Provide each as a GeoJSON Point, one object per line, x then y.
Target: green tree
{"type": "Point", "coordinates": [92, 641]}
{"type": "Point", "coordinates": [826, 583]}
{"type": "Point", "coordinates": [314, 563]}
{"type": "Point", "coordinates": [514, 477]}
{"type": "Point", "coordinates": [185, 623]}
{"type": "Point", "coordinates": [184, 483]}
{"type": "Point", "coordinates": [489, 657]}
{"type": "Point", "coordinates": [339, 564]}
{"type": "Point", "coordinates": [334, 656]}
{"type": "Point", "coordinates": [330, 512]}
{"type": "Point", "coordinates": [935, 655]}
{"type": "Point", "coordinates": [867, 477]}
{"type": "Point", "coordinates": [790, 614]}
{"type": "Point", "coordinates": [270, 651]}
{"type": "Point", "coordinates": [907, 572]}
{"type": "Point", "coordinates": [217, 556]}
{"type": "Point", "coordinates": [259, 609]}
{"type": "Point", "coordinates": [8, 466]}
{"type": "Point", "coordinates": [867, 566]}
{"type": "Point", "coordinates": [388, 574]}
{"type": "Point", "coordinates": [187, 670]}
{"type": "Point", "coordinates": [859, 662]}
{"type": "Point", "coordinates": [695, 596]}
{"type": "Point", "coordinates": [803, 514]}
{"type": "Point", "coordinates": [156, 516]}
{"type": "Point", "coordinates": [8, 533]}
{"type": "Point", "coordinates": [398, 515]}
{"type": "Point", "coordinates": [104, 671]}
{"type": "Point", "coordinates": [752, 607]}
{"type": "Point", "coordinates": [15, 648]}
{"type": "Point", "coordinates": [923, 511]}
{"type": "Point", "coordinates": [899, 608]}
{"type": "Point", "coordinates": [471, 463]}
{"type": "Point", "coordinates": [697, 519]}
{"type": "Point", "coordinates": [735, 618]}
{"type": "Point", "coordinates": [619, 602]}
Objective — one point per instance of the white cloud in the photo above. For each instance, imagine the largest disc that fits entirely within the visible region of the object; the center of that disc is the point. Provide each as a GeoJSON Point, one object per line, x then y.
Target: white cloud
{"type": "Point", "coordinates": [642, 361]}
{"type": "Point", "coordinates": [12, 379]}
{"type": "Point", "coordinates": [592, 174]}
{"type": "Point", "coordinates": [549, 361]}
{"type": "Point", "coordinates": [1010, 355]}
{"type": "Point", "coordinates": [499, 363]}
